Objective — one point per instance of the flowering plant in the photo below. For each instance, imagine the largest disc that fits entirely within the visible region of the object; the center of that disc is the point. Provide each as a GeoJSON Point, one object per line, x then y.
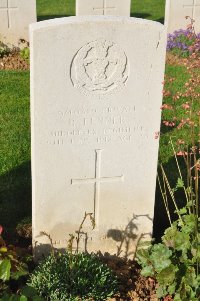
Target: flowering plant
{"type": "Point", "coordinates": [175, 262]}
{"type": "Point", "coordinates": [184, 42]}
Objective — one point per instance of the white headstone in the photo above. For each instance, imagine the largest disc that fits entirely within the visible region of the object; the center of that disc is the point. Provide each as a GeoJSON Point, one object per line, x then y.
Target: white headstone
{"type": "Point", "coordinates": [15, 17]}
{"type": "Point", "coordinates": [103, 7]}
{"type": "Point", "coordinates": [96, 92]}
{"type": "Point", "coordinates": [179, 10]}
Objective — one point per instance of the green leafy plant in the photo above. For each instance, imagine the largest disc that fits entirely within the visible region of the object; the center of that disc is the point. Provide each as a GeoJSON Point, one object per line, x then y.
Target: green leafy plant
{"type": "Point", "coordinates": [11, 267]}
{"type": "Point", "coordinates": [73, 277]}
{"type": "Point", "coordinates": [24, 228]}
{"type": "Point", "coordinates": [175, 262]}
{"type": "Point", "coordinates": [25, 53]}
{"type": "Point", "coordinates": [25, 294]}
{"type": "Point", "coordinates": [4, 50]}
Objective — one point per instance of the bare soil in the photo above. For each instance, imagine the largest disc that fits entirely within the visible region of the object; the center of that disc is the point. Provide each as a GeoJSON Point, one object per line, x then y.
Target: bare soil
{"type": "Point", "coordinates": [13, 61]}
{"type": "Point", "coordinates": [133, 287]}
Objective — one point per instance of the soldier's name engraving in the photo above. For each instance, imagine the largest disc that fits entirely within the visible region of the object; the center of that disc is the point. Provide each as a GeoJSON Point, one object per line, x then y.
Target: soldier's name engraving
{"type": "Point", "coordinates": [81, 126]}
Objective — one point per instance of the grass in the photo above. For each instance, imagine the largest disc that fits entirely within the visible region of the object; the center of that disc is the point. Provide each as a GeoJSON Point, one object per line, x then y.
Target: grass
{"type": "Point", "coordinates": [147, 9]}
{"type": "Point", "coordinates": [181, 77]}
{"type": "Point", "coordinates": [15, 179]}
{"type": "Point", "coordinates": [49, 9]}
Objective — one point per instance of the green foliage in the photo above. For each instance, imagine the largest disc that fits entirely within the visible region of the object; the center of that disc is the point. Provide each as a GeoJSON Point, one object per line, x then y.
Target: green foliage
{"type": "Point", "coordinates": [4, 50]}
{"type": "Point", "coordinates": [72, 276]}
{"type": "Point", "coordinates": [26, 294]}
{"type": "Point", "coordinates": [25, 53]}
{"type": "Point", "coordinates": [174, 262]}
{"type": "Point", "coordinates": [11, 267]}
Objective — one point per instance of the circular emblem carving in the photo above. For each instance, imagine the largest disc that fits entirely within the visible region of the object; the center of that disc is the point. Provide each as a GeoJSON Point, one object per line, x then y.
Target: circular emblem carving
{"type": "Point", "coordinates": [100, 67]}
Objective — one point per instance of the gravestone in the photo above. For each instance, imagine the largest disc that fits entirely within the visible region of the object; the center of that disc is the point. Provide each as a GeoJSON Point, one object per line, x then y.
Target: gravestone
{"type": "Point", "coordinates": [96, 92]}
{"type": "Point", "coordinates": [103, 7]}
{"type": "Point", "coordinates": [178, 10]}
{"type": "Point", "coordinates": [15, 17]}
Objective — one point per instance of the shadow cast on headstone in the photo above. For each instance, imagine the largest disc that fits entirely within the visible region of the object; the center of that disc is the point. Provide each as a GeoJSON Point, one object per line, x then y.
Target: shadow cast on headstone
{"type": "Point", "coordinates": [128, 237]}
{"type": "Point", "coordinates": [15, 196]}
{"type": "Point", "coordinates": [43, 250]}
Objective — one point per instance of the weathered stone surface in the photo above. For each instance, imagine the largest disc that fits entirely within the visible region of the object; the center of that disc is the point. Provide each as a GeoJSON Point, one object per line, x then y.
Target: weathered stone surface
{"type": "Point", "coordinates": [103, 7]}
{"type": "Point", "coordinates": [96, 92]}
{"type": "Point", "coordinates": [178, 10]}
{"type": "Point", "coordinates": [15, 17]}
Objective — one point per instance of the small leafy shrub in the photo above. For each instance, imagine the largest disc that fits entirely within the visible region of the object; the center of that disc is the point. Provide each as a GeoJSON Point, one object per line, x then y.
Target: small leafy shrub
{"type": "Point", "coordinates": [73, 276]}
{"type": "Point", "coordinates": [183, 42]}
{"type": "Point", "coordinates": [11, 267]}
{"type": "Point", "coordinates": [26, 294]}
{"type": "Point", "coordinates": [24, 228]}
{"type": "Point", "coordinates": [175, 261]}
{"type": "Point", "coordinates": [25, 53]}
{"type": "Point", "coordinates": [4, 50]}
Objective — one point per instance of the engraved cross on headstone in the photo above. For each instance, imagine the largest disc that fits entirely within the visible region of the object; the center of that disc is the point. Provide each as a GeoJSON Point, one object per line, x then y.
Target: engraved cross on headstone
{"type": "Point", "coordinates": [7, 8]}
{"type": "Point", "coordinates": [97, 180]}
{"type": "Point", "coordinates": [104, 7]}
{"type": "Point", "coordinates": [193, 5]}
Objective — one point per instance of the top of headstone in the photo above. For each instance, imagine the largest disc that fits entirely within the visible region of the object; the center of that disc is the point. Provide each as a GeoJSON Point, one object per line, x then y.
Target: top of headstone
{"type": "Point", "coordinates": [83, 19]}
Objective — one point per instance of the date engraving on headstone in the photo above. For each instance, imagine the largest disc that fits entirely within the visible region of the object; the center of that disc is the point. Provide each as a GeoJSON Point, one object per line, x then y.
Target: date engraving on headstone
{"type": "Point", "coordinates": [100, 67]}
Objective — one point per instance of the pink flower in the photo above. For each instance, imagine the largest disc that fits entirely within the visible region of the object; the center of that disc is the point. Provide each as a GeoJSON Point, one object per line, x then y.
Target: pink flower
{"type": "Point", "coordinates": [181, 153]}
{"type": "Point", "coordinates": [1, 229]}
{"type": "Point", "coordinates": [166, 107]}
{"type": "Point", "coordinates": [186, 106]}
{"type": "Point", "coordinates": [168, 123]}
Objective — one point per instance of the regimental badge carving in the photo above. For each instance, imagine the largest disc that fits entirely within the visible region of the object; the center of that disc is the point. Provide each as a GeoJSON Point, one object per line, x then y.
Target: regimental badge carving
{"type": "Point", "coordinates": [100, 67]}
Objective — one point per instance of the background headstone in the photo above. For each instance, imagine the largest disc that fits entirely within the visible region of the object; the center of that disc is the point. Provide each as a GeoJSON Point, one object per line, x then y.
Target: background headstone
{"type": "Point", "coordinates": [178, 10]}
{"type": "Point", "coordinates": [15, 17]}
{"type": "Point", "coordinates": [103, 7]}
{"type": "Point", "coordinates": [96, 92]}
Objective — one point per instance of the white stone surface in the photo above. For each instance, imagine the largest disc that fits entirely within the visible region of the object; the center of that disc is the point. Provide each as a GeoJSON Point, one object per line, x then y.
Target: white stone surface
{"type": "Point", "coordinates": [96, 92]}
{"type": "Point", "coordinates": [178, 10]}
{"type": "Point", "coordinates": [15, 17]}
{"type": "Point", "coordinates": [103, 7]}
